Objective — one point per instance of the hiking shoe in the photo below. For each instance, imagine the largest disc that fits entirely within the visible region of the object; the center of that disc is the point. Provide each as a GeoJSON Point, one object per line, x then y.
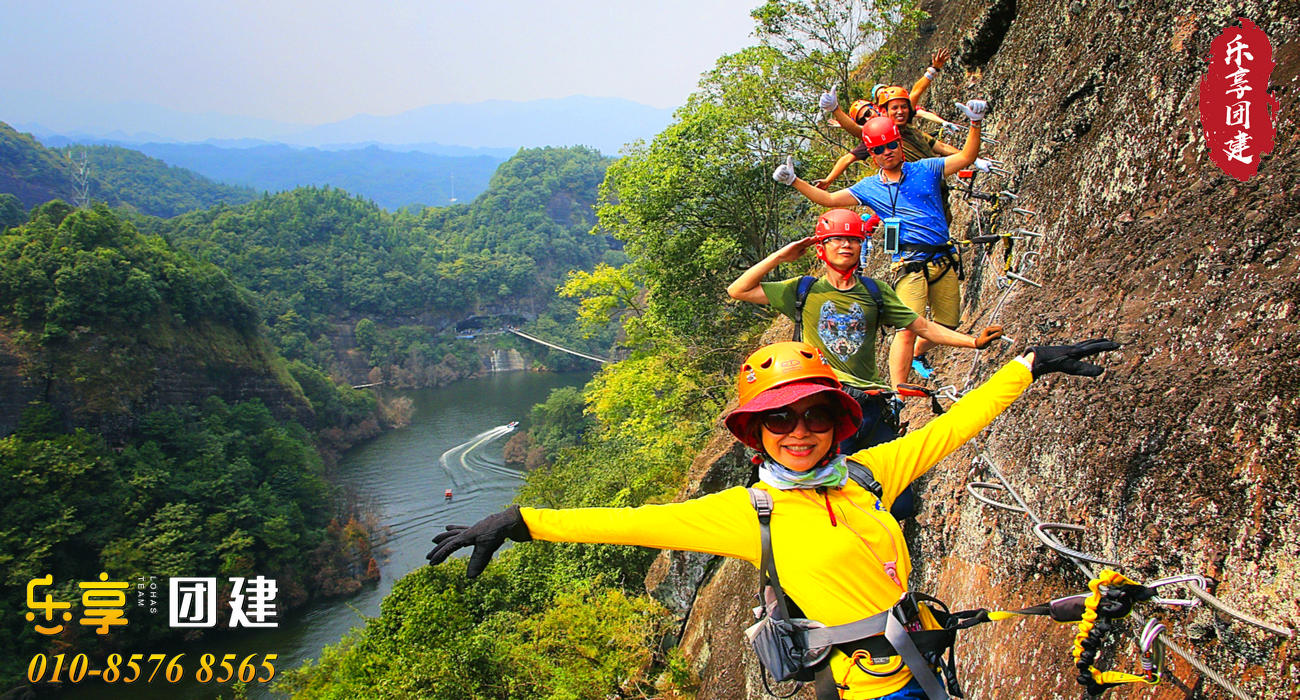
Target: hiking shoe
{"type": "Point", "coordinates": [922, 366]}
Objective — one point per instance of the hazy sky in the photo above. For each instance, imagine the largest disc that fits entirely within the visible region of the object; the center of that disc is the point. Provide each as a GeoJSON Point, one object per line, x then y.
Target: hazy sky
{"type": "Point", "coordinates": [316, 61]}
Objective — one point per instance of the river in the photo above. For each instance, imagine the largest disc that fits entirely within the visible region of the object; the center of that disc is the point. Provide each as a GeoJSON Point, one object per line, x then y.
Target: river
{"type": "Point", "coordinates": [454, 441]}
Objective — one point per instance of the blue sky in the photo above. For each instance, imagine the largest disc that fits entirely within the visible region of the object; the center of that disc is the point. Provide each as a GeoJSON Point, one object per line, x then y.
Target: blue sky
{"type": "Point", "coordinates": [318, 61]}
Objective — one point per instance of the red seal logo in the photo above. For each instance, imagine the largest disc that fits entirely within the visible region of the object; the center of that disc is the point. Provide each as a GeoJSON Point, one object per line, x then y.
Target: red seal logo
{"type": "Point", "coordinates": [1237, 111]}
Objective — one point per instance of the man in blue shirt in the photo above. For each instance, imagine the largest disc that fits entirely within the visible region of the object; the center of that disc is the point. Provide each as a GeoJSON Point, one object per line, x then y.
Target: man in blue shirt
{"type": "Point", "coordinates": [908, 194]}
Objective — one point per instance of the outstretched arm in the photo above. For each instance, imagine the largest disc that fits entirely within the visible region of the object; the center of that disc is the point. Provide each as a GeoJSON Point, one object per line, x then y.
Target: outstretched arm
{"type": "Point", "coordinates": [975, 111]}
{"type": "Point", "coordinates": [896, 464]}
{"type": "Point", "coordinates": [840, 165]}
{"type": "Point", "coordinates": [939, 58]}
{"type": "Point", "coordinates": [784, 174]}
{"type": "Point", "coordinates": [942, 335]}
{"type": "Point", "coordinates": [748, 287]}
{"type": "Point", "coordinates": [720, 523]}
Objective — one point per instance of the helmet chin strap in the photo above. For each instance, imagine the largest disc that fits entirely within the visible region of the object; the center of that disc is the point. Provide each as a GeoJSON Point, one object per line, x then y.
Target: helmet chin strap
{"type": "Point", "coordinates": [847, 272]}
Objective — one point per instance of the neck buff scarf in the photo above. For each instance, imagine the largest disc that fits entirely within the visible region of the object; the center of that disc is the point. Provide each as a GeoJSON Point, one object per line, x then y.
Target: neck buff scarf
{"type": "Point", "coordinates": [834, 473]}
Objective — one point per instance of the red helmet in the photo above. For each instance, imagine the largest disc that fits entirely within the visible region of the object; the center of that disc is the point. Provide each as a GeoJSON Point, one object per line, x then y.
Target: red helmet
{"type": "Point", "coordinates": [840, 222]}
{"type": "Point", "coordinates": [870, 225]}
{"type": "Point", "coordinates": [879, 131]}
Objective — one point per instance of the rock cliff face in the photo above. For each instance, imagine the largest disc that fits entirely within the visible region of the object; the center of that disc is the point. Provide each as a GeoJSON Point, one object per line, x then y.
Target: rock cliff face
{"type": "Point", "coordinates": [1185, 456]}
{"type": "Point", "coordinates": [106, 384]}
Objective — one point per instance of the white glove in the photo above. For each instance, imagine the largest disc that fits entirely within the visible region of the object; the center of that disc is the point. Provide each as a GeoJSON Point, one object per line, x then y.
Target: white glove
{"type": "Point", "coordinates": [974, 109]}
{"type": "Point", "coordinates": [784, 173]}
{"type": "Point", "coordinates": [829, 101]}
{"type": "Point", "coordinates": [983, 164]}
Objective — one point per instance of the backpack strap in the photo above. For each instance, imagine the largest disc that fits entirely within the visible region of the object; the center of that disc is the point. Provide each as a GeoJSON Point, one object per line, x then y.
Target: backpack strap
{"type": "Point", "coordinates": [762, 503]}
{"type": "Point", "coordinates": [806, 283]}
{"type": "Point", "coordinates": [873, 288]}
{"type": "Point", "coordinates": [800, 298]}
{"type": "Point", "coordinates": [863, 477]}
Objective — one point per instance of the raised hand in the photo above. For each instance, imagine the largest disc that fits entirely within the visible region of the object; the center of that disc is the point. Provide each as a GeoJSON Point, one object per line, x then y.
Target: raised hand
{"type": "Point", "coordinates": [1067, 359]}
{"type": "Point", "coordinates": [940, 57]}
{"type": "Point", "coordinates": [983, 165]}
{"type": "Point", "coordinates": [974, 109]}
{"type": "Point", "coordinates": [486, 537]}
{"type": "Point", "coordinates": [792, 251]}
{"type": "Point", "coordinates": [784, 172]}
{"type": "Point", "coordinates": [829, 101]}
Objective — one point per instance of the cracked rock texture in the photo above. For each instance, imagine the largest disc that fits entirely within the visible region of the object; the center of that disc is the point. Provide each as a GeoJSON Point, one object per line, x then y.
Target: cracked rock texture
{"type": "Point", "coordinates": [1185, 456]}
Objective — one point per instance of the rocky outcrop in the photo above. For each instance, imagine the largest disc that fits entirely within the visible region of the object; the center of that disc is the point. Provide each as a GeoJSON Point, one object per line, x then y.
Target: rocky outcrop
{"type": "Point", "coordinates": [508, 360]}
{"type": "Point", "coordinates": [1185, 456]}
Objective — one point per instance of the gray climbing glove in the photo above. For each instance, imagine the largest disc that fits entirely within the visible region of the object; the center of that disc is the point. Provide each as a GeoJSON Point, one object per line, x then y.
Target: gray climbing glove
{"type": "Point", "coordinates": [974, 109]}
{"type": "Point", "coordinates": [486, 537]}
{"type": "Point", "coordinates": [829, 101]}
{"type": "Point", "coordinates": [784, 172]}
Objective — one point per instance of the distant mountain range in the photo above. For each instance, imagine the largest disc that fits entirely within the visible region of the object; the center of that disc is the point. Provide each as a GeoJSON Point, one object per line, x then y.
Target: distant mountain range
{"type": "Point", "coordinates": [392, 179]}
{"type": "Point", "coordinates": [603, 123]}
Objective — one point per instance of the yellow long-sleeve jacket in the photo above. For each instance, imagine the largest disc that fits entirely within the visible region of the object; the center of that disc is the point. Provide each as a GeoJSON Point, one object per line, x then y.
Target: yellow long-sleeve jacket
{"type": "Point", "coordinates": [837, 569]}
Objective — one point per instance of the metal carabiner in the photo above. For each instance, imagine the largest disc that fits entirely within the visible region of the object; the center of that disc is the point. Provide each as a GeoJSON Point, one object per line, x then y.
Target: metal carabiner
{"type": "Point", "coordinates": [974, 485]}
{"type": "Point", "coordinates": [1153, 655]}
{"type": "Point", "coordinates": [1198, 581]}
{"type": "Point", "coordinates": [948, 391]}
{"type": "Point", "coordinates": [1026, 280]}
{"type": "Point", "coordinates": [1041, 529]}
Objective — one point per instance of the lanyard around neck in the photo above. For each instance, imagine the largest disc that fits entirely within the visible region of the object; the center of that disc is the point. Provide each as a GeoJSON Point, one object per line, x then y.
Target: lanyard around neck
{"type": "Point", "coordinates": [893, 191]}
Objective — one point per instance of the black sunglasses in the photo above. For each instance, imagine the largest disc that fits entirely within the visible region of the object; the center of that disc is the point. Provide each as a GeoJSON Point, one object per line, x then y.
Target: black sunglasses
{"type": "Point", "coordinates": [877, 150]}
{"type": "Point", "coordinates": [818, 419]}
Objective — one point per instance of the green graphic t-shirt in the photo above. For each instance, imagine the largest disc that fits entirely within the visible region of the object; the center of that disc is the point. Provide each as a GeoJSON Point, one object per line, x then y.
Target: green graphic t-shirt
{"type": "Point", "coordinates": [842, 324]}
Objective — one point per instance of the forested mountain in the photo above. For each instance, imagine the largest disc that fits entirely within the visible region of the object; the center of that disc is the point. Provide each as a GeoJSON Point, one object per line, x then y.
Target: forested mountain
{"type": "Point", "coordinates": [151, 428]}
{"type": "Point", "coordinates": [319, 258]}
{"type": "Point", "coordinates": [393, 179]}
{"type": "Point", "coordinates": [118, 176]}
{"type": "Point", "coordinates": [149, 185]}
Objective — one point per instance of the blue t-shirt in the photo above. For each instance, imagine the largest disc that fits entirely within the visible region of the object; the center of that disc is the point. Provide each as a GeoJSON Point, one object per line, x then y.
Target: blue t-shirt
{"type": "Point", "coordinates": [916, 201]}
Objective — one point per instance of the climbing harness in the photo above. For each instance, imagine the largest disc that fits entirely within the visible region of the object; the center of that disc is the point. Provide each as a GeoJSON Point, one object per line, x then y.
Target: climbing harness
{"type": "Point", "coordinates": [795, 648]}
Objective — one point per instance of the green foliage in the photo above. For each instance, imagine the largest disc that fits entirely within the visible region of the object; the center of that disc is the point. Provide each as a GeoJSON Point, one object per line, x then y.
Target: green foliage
{"type": "Point", "coordinates": [440, 636]}
{"type": "Point", "coordinates": [315, 257]}
{"type": "Point", "coordinates": [836, 36]}
{"type": "Point", "coordinates": [88, 268]}
{"type": "Point", "coordinates": [219, 490]}
{"type": "Point", "coordinates": [130, 178]}
{"type": "Point", "coordinates": [606, 292]}
{"type": "Point", "coordinates": [12, 212]}
{"type": "Point", "coordinates": [558, 422]}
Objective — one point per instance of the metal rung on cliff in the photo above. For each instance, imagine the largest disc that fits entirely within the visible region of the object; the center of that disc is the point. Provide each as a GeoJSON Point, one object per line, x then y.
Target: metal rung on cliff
{"type": "Point", "coordinates": [982, 463]}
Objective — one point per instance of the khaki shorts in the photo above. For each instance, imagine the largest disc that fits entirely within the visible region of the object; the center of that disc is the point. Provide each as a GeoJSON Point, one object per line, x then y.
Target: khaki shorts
{"type": "Point", "coordinates": [943, 296]}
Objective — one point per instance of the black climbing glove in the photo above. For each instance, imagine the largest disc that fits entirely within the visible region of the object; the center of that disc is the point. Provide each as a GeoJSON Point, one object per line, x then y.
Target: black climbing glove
{"type": "Point", "coordinates": [486, 536]}
{"type": "Point", "coordinates": [1065, 358]}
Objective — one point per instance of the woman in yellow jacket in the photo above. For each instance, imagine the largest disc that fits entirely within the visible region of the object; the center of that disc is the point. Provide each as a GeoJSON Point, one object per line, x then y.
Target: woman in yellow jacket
{"type": "Point", "coordinates": [840, 554]}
